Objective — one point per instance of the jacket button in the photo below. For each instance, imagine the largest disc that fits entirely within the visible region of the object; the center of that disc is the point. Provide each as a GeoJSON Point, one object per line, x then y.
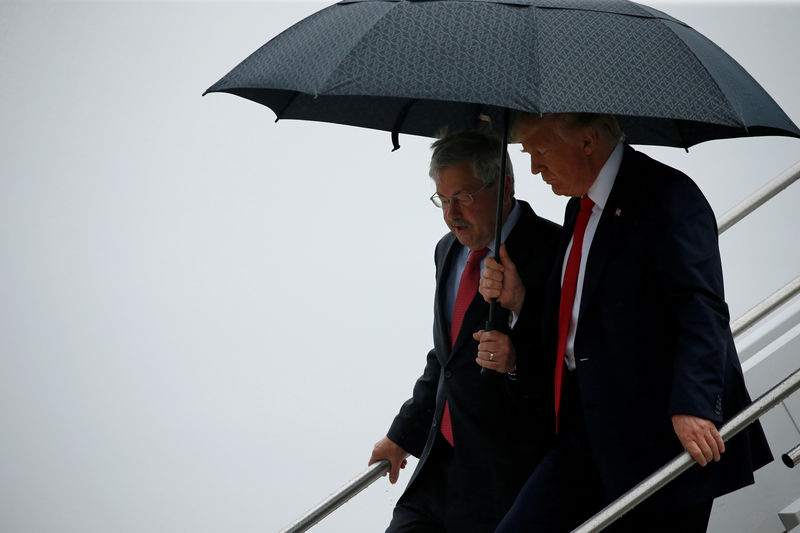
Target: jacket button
{"type": "Point", "coordinates": [448, 374]}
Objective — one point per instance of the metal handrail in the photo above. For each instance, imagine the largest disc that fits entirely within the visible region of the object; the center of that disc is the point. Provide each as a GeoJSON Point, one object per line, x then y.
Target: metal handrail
{"type": "Point", "coordinates": [378, 469]}
{"type": "Point", "coordinates": [777, 298]}
{"type": "Point", "coordinates": [755, 200]}
{"type": "Point", "coordinates": [339, 498]}
{"type": "Point", "coordinates": [677, 465]}
{"type": "Point", "coordinates": [674, 468]}
{"type": "Point", "coordinates": [792, 457]}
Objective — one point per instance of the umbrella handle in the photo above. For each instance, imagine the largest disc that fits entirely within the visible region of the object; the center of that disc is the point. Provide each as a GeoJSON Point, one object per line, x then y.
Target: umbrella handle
{"type": "Point", "coordinates": [498, 227]}
{"type": "Point", "coordinates": [489, 326]}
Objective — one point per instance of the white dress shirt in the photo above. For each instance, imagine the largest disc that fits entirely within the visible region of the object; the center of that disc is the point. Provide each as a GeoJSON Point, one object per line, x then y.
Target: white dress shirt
{"type": "Point", "coordinates": [598, 193]}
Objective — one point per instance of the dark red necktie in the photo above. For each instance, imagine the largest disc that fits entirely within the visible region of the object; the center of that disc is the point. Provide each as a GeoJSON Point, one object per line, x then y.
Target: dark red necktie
{"type": "Point", "coordinates": [568, 288]}
{"type": "Point", "coordinates": [467, 288]}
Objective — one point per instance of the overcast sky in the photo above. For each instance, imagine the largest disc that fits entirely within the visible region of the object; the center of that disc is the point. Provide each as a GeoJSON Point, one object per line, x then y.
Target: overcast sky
{"type": "Point", "coordinates": [207, 318]}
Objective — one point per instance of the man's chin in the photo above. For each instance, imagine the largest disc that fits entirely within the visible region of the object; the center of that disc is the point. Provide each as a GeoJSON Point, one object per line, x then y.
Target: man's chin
{"type": "Point", "coordinates": [463, 236]}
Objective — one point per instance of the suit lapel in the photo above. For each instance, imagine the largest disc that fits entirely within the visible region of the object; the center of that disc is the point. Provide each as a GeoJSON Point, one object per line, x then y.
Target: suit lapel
{"type": "Point", "coordinates": [444, 265]}
{"type": "Point", "coordinates": [608, 231]}
{"type": "Point", "coordinates": [570, 218]}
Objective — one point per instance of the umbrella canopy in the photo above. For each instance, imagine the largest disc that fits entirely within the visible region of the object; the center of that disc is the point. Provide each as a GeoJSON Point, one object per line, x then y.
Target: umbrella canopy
{"type": "Point", "coordinates": [413, 66]}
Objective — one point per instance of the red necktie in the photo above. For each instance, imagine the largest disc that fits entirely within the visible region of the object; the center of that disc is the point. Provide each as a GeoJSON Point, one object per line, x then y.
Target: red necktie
{"type": "Point", "coordinates": [568, 288]}
{"type": "Point", "coordinates": [467, 288]}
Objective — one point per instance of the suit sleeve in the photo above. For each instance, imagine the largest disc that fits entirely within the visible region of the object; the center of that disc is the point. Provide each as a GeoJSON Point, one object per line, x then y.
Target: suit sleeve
{"type": "Point", "coordinates": [691, 276]}
{"type": "Point", "coordinates": [410, 427]}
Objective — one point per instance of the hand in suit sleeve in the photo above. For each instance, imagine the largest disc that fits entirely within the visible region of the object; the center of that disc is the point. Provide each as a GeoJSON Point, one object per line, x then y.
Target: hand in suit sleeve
{"type": "Point", "coordinates": [699, 437]}
{"type": "Point", "coordinates": [502, 281]}
{"type": "Point", "coordinates": [388, 449]}
{"type": "Point", "coordinates": [495, 351]}
{"type": "Point", "coordinates": [691, 274]}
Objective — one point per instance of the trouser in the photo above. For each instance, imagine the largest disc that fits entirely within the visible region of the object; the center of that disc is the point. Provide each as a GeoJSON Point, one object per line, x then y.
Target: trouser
{"type": "Point", "coordinates": [436, 502]}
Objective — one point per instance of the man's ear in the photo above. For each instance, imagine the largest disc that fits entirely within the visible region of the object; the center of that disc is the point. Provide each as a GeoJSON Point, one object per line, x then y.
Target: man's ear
{"type": "Point", "coordinates": [509, 186]}
{"type": "Point", "coordinates": [589, 137]}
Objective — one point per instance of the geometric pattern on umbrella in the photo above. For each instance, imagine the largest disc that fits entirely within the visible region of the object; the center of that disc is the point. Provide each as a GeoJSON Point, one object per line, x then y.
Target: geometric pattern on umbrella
{"type": "Point", "coordinates": [414, 66]}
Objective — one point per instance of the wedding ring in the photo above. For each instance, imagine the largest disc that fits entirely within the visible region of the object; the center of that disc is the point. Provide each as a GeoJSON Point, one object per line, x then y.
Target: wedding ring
{"type": "Point", "coordinates": [491, 356]}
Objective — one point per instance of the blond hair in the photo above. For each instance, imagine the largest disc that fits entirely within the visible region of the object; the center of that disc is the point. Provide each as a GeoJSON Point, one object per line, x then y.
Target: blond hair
{"type": "Point", "coordinates": [606, 126]}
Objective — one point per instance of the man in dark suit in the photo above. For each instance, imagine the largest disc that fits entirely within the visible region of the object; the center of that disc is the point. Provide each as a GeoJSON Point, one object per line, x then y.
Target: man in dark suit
{"type": "Point", "coordinates": [638, 333]}
{"type": "Point", "coordinates": [477, 436]}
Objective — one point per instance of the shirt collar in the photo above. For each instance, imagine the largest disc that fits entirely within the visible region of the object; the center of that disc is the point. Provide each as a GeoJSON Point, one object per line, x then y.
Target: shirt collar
{"type": "Point", "coordinates": [601, 188]}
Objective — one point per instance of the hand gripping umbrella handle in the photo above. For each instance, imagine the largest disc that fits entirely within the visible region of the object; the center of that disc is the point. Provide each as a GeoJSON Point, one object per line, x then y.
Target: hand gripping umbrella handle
{"type": "Point", "coordinates": [498, 224]}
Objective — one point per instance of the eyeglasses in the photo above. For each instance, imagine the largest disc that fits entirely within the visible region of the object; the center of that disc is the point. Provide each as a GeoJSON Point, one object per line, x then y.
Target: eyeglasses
{"type": "Point", "coordinates": [463, 198]}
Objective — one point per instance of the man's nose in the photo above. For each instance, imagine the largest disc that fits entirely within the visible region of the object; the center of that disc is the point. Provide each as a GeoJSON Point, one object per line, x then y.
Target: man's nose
{"type": "Point", "coordinates": [453, 210]}
{"type": "Point", "coordinates": [535, 166]}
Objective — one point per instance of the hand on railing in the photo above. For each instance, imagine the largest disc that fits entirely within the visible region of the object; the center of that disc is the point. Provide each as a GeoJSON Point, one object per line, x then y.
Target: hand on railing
{"type": "Point", "coordinates": [683, 462]}
{"type": "Point", "coordinates": [699, 437]}
{"type": "Point", "coordinates": [389, 450]}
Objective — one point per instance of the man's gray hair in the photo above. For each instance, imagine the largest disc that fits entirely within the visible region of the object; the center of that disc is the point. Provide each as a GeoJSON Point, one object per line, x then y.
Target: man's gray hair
{"type": "Point", "coordinates": [480, 147]}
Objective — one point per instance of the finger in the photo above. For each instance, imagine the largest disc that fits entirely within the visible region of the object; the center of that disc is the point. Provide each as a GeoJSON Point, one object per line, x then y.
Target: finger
{"type": "Point", "coordinates": [696, 454]}
{"type": "Point", "coordinates": [719, 441]}
{"type": "Point", "coordinates": [488, 348]}
{"type": "Point", "coordinates": [477, 335]}
{"type": "Point", "coordinates": [491, 264]}
{"type": "Point", "coordinates": [403, 464]}
{"type": "Point", "coordinates": [708, 453]}
{"type": "Point", "coordinates": [500, 363]}
{"type": "Point", "coordinates": [394, 473]}
{"type": "Point", "coordinates": [704, 449]}
{"type": "Point", "coordinates": [486, 336]}
{"type": "Point", "coordinates": [504, 257]}
{"type": "Point", "coordinates": [487, 356]}
{"type": "Point", "coordinates": [485, 363]}
{"type": "Point", "coordinates": [492, 340]}
{"type": "Point", "coordinates": [488, 296]}
{"type": "Point", "coordinates": [490, 285]}
{"type": "Point", "coordinates": [487, 274]}
{"type": "Point", "coordinates": [492, 335]}
{"type": "Point", "coordinates": [488, 293]}
{"type": "Point", "coordinates": [713, 445]}
{"type": "Point", "coordinates": [508, 264]}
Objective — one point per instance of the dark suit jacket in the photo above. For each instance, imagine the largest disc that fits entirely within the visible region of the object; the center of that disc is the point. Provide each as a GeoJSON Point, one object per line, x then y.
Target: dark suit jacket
{"type": "Point", "coordinates": [499, 433]}
{"type": "Point", "coordinates": [653, 336]}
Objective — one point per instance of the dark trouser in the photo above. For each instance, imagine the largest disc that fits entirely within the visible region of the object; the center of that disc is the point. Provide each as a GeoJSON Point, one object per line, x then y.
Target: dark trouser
{"type": "Point", "coordinates": [565, 489]}
{"type": "Point", "coordinates": [435, 503]}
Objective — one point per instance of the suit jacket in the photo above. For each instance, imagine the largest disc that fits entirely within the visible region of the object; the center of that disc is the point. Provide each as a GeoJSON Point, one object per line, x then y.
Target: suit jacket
{"type": "Point", "coordinates": [653, 336]}
{"type": "Point", "coordinates": [499, 433]}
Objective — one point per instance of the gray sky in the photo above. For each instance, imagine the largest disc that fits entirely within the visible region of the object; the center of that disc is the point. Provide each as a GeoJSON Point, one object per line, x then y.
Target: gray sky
{"type": "Point", "coordinates": [208, 318]}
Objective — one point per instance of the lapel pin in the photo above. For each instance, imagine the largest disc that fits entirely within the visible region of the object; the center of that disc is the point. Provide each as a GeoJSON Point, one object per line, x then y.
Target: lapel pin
{"type": "Point", "coordinates": [618, 212]}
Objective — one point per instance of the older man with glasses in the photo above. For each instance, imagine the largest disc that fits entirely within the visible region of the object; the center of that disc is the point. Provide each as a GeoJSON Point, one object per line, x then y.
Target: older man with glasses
{"type": "Point", "coordinates": [477, 436]}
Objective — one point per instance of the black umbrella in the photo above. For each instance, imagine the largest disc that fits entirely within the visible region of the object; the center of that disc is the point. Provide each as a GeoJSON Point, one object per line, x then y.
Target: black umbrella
{"type": "Point", "coordinates": [413, 66]}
